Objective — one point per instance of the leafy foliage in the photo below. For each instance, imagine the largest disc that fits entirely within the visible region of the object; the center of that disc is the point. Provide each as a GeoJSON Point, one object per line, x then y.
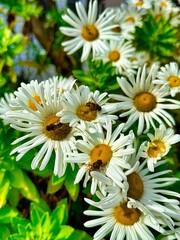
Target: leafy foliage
{"type": "Point", "coordinates": [10, 45]}
{"type": "Point", "coordinates": [157, 37]}
{"type": "Point", "coordinates": [99, 76]}
{"type": "Point", "coordinates": [46, 225]}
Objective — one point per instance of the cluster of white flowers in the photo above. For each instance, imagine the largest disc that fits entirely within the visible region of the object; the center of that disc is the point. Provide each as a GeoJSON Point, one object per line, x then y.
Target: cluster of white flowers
{"type": "Point", "coordinates": [123, 158]}
{"type": "Point", "coordinates": [109, 35]}
{"type": "Point", "coordinates": [81, 127]}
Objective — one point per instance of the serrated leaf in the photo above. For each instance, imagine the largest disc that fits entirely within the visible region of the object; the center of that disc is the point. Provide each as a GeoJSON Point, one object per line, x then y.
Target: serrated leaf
{"type": "Point", "coordinates": [7, 213]}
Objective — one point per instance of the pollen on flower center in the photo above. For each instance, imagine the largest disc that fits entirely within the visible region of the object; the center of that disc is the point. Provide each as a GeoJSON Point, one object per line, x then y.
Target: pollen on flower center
{"type": "Point", "coordinates": [101, 152]}
{"type": "Point", "coordinates": [126, 216]}
{"type": "Point", "coordinates": [114, 56]}
{"type": "Point", "coordinates": [130, 19]}
{"type": "Point", "coordinates": [86, 112]}
{"type": "Point", "coordinates": [145, 102]}
{"type": "Point", "coordinates": [90, 32]}
{"type": "Point", "coordinates": [174, 81]}
{"type": "Point", "coordinates": [31, 105]}
{"type": "Point", "coordinates": [155, 148]}
{"type": "Point", "coordinates": [136, 186]}
{"type": "Point", "coordinates": [139, 3]}
{"type": "Point", "coordinates": [54, 129]}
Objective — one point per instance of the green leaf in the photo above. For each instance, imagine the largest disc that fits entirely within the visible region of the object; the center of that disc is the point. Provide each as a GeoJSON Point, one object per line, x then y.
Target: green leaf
{"type": "Point", "coordinates": [45, 222]}
{"type": "Point", "coordinates": [36, 214]}
{"type": "Point", "coordinates": [28, 189]}
{"type": "Point", "coordinates": [55, 184]}
{"type": "Point", "coordinates": [65, 233]}
{"type": "Point", "coordinates": [13, 197]}
{"type": "Point", "coordinates": [80, 235]}
{"type": "Point", "coordinates": [4, 232]}
{"type": "Point", "coordinates": [16, 178]}
{"type": "Point", "coordinates": [19, 221]}
{"type": "Point", "coordinates": [7, 213]}
{"type": "Point", "coordinates": [59, 216]}
{"type": "Point", "coordinates": [73, 189]}
{"type": "Point", "coordinates": [16, 236]}
{"type": "Point", "coordinates": [22, 230]}
{"type": "Point", "coordinates": [4, 188]}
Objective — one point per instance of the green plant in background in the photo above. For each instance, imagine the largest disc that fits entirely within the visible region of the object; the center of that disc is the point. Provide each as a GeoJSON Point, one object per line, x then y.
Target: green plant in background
{"type": "Point", "coordinates": [99, 76]}
{"type": "Point", "coordinates": [23, 8]}
{"type": "Point", "coordinates": [157, 37]}
{"type": "Point", "coordinates": [10, 45]}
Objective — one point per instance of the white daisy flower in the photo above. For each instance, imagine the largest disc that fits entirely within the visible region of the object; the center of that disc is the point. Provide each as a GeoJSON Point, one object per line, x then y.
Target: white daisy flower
{"type": "Point", "coordinates": [169, 75]}
{"type": "Point", "coordinates": [88, 30]}
{"type": "Point", "coordinates": [145, 191]}
{"type": "Point", "coordinates": [140, 58]}
{"type": "Point", "coordinates": [164, 5]}
{"type": "Point", "coordinates": [33, 89]}
{"type": "Point", "coordinates": [83, 106]}
{"type": "Point", "coordinates": [41, 125]}
{"type": "Point", "coordinates": [122, 222]}
{"type": "Point", "coordinates": [144, 101]}
{"type": "Point", "coordinates": [132, 15]}
{"type": "Point", "coordinates": [119, 53]}
{"type": "Point", "coordinates": [64, 84]}
{"type": "Point", "coordinates": [102, 154]}
{"type": "Point", "coordinates": [167, 10]}
{"type": "Point", "coordinates": [5, 106]}
{"type": "Point", "coordinates": [140, 4]}
{"type": "Point", "coordinates": [123, 28]}
{"type": "Point", "coordinates": [159, 145]}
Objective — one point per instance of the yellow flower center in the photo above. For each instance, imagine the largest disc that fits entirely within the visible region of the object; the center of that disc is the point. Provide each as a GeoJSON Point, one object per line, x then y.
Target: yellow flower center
{"type": "Point", "coordinates": [87, 112]}
{"type": "Point", "coordinates": [145, 102]}
{"type": "Point", "coordinates": [31, 105]}
{"type": "Point", "coordinates": [155, 148]}
{"type": "Point", "coordinates": [163, 4]}
{"type": "Point", "coordinates": [114, 56]}
{"type": "Point", "coordinates": [139, 3]}
{"type": "Point", "coordinates": [54, 129]}
{"type": "Point", "coordinates": [126, 216]}
{"type": "Point", "coordinates": [130, 19]}
{"type": "Point", "coordinates": [90, 32]}
{"type": "Point", "coordinates": [117, 29]}
{"type": "Point", "coordinates": [174, 81]}
{"type": "Point", "coordinates": [136, 186]}
{"type": "Point", "coordinates": [101, 153]}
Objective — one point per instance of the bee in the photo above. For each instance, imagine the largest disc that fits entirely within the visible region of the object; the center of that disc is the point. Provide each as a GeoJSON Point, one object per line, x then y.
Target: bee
{"type": "Point", "coordinates": [93, 106]}
{"type": "Point", "coordinates": [54, 126]}
{"type": "Point", "coordinates": [96, 165]}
